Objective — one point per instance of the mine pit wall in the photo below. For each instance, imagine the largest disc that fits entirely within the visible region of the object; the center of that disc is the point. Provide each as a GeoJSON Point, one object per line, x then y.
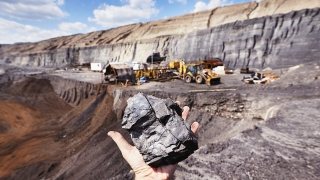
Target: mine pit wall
{"type": "Point", "coordinates": [54, 58]}
{"type": "Point", "coordinates": [272, 41]}
{"type": "Point", "coordinates": [276, 41]}
{"type": "Point", "coordinates": [71, 91]}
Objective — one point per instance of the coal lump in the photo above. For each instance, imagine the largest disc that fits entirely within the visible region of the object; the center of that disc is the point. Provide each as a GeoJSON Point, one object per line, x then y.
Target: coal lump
{"type": "Point", "coordinates": [158, 130]}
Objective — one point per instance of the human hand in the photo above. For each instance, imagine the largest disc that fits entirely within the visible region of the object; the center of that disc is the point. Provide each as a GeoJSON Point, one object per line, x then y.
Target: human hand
{"type": "Point", "coordinates": [132, 155]}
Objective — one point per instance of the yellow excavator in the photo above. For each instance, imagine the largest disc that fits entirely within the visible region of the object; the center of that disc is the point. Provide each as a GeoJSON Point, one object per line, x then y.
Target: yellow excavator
{"type": "Point", "coordinates": [196, 71]}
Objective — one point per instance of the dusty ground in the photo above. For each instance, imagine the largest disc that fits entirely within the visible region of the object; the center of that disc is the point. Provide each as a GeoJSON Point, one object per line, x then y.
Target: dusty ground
{"type": "Point", "coordinates": [266, 131]}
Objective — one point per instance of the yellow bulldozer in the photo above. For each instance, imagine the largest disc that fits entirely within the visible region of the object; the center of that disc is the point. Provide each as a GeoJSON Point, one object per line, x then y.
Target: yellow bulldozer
{"type": "Point", "coordinates": [196, 71]}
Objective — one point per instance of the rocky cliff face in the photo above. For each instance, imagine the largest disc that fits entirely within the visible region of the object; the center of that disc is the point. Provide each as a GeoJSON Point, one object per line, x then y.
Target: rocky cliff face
{"type": "Point", "coordinates": [266, 34]}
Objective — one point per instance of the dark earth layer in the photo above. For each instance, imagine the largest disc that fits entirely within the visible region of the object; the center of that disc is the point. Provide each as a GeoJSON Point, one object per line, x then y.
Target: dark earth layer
{"type": "Point", "coordinates": [266, 131]}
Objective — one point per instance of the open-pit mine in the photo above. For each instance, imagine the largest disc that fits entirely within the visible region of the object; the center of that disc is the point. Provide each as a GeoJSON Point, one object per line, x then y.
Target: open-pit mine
{"type": "Point", "coordinates": [55, 112]}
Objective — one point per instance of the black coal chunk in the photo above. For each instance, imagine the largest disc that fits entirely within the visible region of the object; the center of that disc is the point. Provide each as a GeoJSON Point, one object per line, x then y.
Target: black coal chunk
{"type": "Point", "coordinates": [158, 130]}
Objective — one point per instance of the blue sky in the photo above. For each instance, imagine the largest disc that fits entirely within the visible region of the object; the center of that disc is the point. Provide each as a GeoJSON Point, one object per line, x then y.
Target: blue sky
{"type": "Point", "coordinates": [36, 20]}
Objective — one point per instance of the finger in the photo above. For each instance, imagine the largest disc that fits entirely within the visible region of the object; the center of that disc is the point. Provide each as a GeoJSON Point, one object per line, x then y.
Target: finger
{"type": "Point", "coordinates": [123, 145]}
{"type": "Point", "coordinates": [195, 127]}
{"type": "Point", "coordinates": [185, 112]}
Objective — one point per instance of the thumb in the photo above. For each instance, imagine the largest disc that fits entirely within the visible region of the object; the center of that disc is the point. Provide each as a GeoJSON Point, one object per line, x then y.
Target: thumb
{"type": "Point", "coordinates": [185, 112]}
{"type": "Point", "coordinates": [130, 153]}
{"type": "Point", "coordinates": [123, 145]}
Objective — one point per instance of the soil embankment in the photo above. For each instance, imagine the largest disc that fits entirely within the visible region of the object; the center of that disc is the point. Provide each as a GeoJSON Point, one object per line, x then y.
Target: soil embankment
{"type": "Point", "coordinates": [27, 135]}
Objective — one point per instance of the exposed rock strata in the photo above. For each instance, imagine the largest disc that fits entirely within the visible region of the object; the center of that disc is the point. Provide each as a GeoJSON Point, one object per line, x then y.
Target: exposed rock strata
{"type": "Point", "coordinates": [71, 91]}
{"type": "Point", "coordinates": [256, 34]}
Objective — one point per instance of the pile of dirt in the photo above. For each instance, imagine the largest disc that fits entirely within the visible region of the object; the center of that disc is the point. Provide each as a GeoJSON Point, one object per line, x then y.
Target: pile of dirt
{"type": "Point", "coordinates": [39, 94]}
{"type": "Point", "coordinates": [22, 142]}
{"type": "Point", "coordinates": [28, 112]}
{"type": "Point", "coordinates": [31, 87]}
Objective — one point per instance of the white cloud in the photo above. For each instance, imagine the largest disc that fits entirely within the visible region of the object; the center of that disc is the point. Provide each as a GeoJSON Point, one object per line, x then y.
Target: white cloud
{"type": "Point", "coordinates": [91, 29]}
{"type": "Point", "coordinates": [201, 6]}
{"type": "Point", "coordinates": [76, 27]}
{"type": "Point", "coordinates": [32, 9]}
{"type": "Point", "coordinates": [11, 32]}
{"type": "Point", "coordinates": [180, 1]}
{"type": "Point", "coordinates": [70, 27]}
{"type": "Point", "coordinates": [132, 12]}
{"type": "Point", "coordinates": [60, 2]}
